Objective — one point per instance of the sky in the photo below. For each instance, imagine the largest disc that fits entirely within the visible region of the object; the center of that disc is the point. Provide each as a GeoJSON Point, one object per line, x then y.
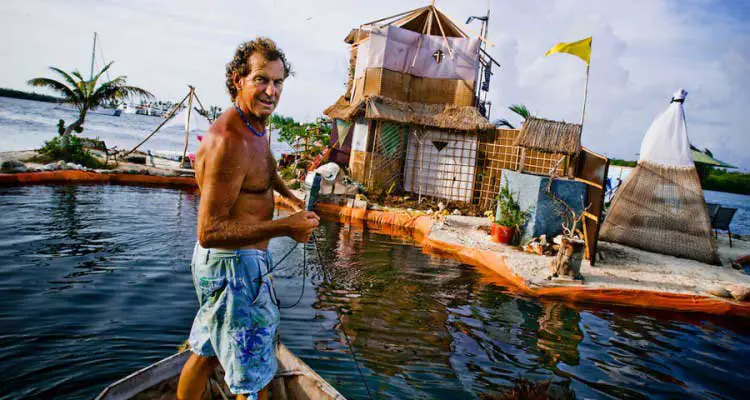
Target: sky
{"type": "Point", "coordinates": [642, 52]}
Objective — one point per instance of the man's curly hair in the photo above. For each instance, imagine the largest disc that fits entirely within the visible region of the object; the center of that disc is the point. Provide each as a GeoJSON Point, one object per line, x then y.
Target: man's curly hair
{"type": "Point", "coordinates": [241, 61]}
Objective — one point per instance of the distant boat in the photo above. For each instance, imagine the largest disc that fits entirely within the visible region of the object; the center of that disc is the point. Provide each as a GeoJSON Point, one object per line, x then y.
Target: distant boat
{"type": "Point", "coordinates": [106, 111]}
{"type": "Point", "coordinates": [294, 380]}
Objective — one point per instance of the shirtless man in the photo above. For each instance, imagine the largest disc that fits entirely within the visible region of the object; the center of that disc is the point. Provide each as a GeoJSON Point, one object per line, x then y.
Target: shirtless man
{"type": "Point", "coordinates": [237, 322]}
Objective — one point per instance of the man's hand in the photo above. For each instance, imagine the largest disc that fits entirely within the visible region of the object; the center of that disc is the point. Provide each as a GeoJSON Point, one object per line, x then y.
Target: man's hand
{"type": "Point", "coordinates": [302, 224]}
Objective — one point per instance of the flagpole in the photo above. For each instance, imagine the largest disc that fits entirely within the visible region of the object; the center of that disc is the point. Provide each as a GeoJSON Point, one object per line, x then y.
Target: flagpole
{"type": "Point", "coordinates": [585, 94]}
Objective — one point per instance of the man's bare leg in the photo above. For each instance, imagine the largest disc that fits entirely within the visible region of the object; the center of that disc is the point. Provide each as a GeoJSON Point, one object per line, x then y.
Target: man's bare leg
{"type": "Point", "coordinates": [194, 375]}
{"type": "Point", "coordinates": [262, 395]}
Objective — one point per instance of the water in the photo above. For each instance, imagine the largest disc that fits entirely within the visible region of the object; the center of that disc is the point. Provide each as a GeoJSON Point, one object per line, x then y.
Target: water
{"type": "Point", "coordinates": [26, 124]}
{"type": "Point", "coordinates": [96, 284]}
{"type": "Point", "coordinates": [741, 221]}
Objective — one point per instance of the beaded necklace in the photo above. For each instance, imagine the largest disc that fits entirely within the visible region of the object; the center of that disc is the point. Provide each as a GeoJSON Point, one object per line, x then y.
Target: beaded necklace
{"type": "Point", "coordinates": [247, 123]}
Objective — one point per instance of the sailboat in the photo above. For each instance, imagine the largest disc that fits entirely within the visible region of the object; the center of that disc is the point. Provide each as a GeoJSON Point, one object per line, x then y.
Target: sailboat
{"type": "Point", "coordinates": [115, 112]}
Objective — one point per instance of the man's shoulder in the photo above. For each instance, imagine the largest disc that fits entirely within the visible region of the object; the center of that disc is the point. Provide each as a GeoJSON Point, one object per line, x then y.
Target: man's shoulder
{"type": "Point", "coordinates": [223, 132]}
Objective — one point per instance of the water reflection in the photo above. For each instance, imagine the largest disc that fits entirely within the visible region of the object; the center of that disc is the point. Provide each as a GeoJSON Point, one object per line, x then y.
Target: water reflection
{"type": "Point", "coordinates": [434, 328]}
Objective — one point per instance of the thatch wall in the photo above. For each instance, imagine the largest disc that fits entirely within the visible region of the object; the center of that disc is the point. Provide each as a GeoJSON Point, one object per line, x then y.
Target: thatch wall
{"type": "Point", "coordinates": [432, 115]}
{"type": "Point", "coordinates": [550, 136]}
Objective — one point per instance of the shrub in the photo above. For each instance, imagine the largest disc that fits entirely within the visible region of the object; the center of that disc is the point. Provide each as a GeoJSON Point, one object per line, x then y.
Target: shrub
{"type": "Point", "coordinates": [74, 152]}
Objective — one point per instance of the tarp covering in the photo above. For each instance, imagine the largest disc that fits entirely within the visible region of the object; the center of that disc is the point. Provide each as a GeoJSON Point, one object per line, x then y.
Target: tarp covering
{"type": "Point", "coordinates": [400, 50]}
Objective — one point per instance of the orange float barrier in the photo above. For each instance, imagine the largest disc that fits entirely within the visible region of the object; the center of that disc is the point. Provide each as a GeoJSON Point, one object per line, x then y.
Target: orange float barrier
{"type": "Point", "coordinates": [421, 226]}
{"type": "Point", "coordinates": [73, 176]}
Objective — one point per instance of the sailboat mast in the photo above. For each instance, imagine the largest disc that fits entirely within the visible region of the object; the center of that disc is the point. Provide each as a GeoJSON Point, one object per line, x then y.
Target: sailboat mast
{"type": "Point", "coordinates": [93, 54]}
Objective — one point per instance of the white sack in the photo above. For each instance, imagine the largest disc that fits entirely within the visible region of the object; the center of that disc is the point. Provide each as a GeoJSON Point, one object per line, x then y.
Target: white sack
{"type": "Point", "coordinates": [666, 141]}
{"type": "Point", "coordinates": [329, 171]}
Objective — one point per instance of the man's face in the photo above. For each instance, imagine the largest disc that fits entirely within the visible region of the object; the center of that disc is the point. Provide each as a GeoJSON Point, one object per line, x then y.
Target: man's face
{"type": "Point", "coordinates": [260, 90]}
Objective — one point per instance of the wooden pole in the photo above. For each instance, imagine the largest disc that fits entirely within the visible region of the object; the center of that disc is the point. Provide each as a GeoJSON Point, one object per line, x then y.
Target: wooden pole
{"type": "Point", "coordinates": [419, 42]}
{"type": "Point", "coordinates": [201, 105]}
{"type": "Point", "coordinates": [442, 32]}
{"type": "Point", "coordinates": [187, 125]}
{"type": "Point", "coordinates": [394, 16]}
{"type": "Point", "coordinates": [172, 113]}
{"type": "Point", "coordinates": [585, 94]}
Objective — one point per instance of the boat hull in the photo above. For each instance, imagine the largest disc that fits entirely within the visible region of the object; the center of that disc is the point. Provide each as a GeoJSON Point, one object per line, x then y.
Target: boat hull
{"type": "Point", "coordinates": [294, 380]}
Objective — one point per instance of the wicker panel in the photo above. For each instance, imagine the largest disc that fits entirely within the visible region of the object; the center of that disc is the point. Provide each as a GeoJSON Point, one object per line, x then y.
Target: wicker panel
{"type": "Point", "coordinates": [662, 209]}
{"type": "Point", "coordinates": [441, 163]}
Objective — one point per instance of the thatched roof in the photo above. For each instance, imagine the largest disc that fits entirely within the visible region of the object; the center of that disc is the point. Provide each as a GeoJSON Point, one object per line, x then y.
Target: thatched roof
{"type": "Point", "coordinates": [445, 116]}
{"type": "Point", "coordinates": [550, 136]}
{"type": "Point", "coordinates": [356, 35]}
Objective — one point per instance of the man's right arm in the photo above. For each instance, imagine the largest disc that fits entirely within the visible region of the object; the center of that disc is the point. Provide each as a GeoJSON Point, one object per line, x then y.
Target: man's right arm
{"type": "Point", "coordinates": [221, 180]}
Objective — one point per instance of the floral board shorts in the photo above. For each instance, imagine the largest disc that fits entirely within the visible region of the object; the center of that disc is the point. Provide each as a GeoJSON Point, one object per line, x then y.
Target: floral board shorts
{"type": "Point", "coordinates": [238, 318]}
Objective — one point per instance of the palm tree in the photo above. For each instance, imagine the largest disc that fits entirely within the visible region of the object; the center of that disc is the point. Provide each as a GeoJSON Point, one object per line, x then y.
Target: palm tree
{"type": "Point", "coordinates": [85, 95]}
{"type": "Point", "coordinates": [519, 109]}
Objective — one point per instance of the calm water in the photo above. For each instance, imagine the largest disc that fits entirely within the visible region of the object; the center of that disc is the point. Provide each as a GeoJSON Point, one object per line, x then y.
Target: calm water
{"type": "Point", "coordinates": [26, 124]}
{"type": "Point", "coordinates": [95, 284]}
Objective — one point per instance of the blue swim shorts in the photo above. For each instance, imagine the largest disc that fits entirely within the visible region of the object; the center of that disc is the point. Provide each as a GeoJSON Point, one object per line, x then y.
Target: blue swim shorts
{"type": "Point", "coordinates": [238, 318]}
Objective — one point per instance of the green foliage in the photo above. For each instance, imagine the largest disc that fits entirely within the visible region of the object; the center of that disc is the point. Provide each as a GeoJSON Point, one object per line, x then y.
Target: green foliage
{"type": "Point", "coordinates": [88, 94]}
{"type": "Point", "coordinates": [521, 110]}
{"type": "Point", "coordinates": [723, 181]}
{"type": "Point", "coordinates": [291, 131]}
{"type": "Point", "coordinates": [18, 94]}
{"type": "Point", "coordinates": [74, 152]}
{"type": "Point", "coordinates": [510, 214]}
{"type": "Point", "coordinates": [622, 163]}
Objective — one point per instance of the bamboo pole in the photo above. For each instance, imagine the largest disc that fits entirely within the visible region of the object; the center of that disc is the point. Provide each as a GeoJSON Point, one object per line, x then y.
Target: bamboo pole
{"type": "Point", "coordinates": [394, 16]}
{"type": "Point", "coordinates": [187, 125]}
{"type": "Point", "coordinates": [442, 32]}
{"type": "Point", "coordinates": [405, 20]}
{"type": "Point", "coordinates": [202, 108]}
{"type": "Point", "coordinates": [419, 43]}
{"type": "Point", "coordinates": [172, 113]}
{"type": "Point", "coordinates": [585, 95]}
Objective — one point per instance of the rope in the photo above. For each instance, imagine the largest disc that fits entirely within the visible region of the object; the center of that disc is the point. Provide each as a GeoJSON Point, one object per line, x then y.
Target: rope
{"type": "Point", "coordinates": [341, 323]}
{"type": "Point", "coordinates": [327, 279]}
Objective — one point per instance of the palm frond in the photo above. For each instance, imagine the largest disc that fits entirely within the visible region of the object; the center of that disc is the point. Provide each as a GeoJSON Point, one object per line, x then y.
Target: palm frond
{"type": "Point", "coordinates": [521, 110]}
{"type": "Point", "coordinates": [99, 74]}
{"type": "Point", "coordinates": [68, 94]}
{"type": "Point", "coordinates": [68, 78]}
{"type": "Point", "coordinates": [503, 122]}
{"type": "Point", "coordinates": [116, 89]}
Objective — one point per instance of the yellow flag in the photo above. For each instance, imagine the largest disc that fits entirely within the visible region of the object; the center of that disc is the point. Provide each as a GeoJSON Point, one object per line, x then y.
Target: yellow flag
{"type": "Point", "coordinates": [581, 49]}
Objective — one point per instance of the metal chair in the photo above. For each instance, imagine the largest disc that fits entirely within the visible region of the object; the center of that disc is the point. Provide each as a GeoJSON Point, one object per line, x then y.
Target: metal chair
{"type": "Point", "coordinates": [722, 219]}
{"type": "Point", "coordinates": [713, 208]}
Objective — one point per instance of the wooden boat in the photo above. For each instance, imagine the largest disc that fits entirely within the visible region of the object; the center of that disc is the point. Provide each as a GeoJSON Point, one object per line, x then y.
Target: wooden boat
{"type": "Point", "coordinates": [295, 380]}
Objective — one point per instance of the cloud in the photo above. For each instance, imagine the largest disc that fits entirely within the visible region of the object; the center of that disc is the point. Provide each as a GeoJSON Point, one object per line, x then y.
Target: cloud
{"type": "Point", "coordinates": [642, 52]}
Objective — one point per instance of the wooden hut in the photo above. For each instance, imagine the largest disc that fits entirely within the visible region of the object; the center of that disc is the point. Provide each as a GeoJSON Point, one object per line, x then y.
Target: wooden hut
{"type": "Point", "coordinates": [410, 105]}
{"type": "Point", "coordinates": [546, 140]}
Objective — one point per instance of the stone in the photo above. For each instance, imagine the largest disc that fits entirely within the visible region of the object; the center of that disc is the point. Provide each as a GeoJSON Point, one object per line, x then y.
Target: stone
{"type": "Point", "coordinates": [12, 166]}
{"type": "Point", "coordinates": [739, 292]}
{"type": "Point", "coordinates": [719, 291]}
